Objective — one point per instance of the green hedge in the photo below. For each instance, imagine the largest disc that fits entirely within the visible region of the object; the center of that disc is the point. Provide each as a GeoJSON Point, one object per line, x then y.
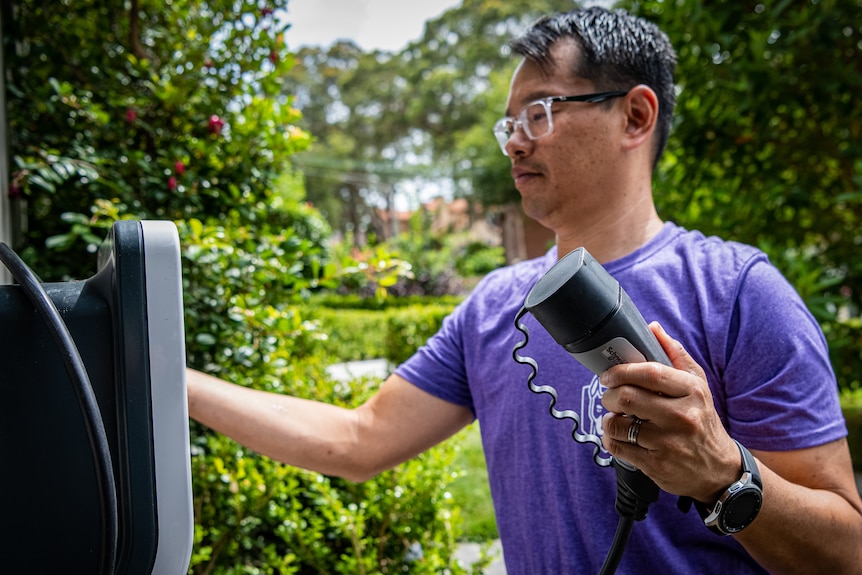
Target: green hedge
{"type": "Point", "coordinates": [392, 328]}
{"type": "Point", "coordinates": [350, 334]}
{"type": "Point", "coordinates": [851, 404]}
{"type": "Point", "coordinates": [254, 515]}
{"type": "Point", "coordinates": [356, 302]}
{"type": "Point", "coordinates": [407, 329]}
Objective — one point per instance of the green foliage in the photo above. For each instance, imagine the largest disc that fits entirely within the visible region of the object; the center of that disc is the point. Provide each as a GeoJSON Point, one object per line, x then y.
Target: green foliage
{"type": "Point", "coordinates": [479, 259]}
{"type": "Point", "coordinates": [430, 257]}
{"type": "Point", "coordinates": [341, 326]}
{"type": "Point", "coordinates": [470, 490]}
{"type": "Point", "coordinates": [845, 347]}
{"type": "Point", "coordinates": [408, 328]}
{"type": "Point", "coordinates": [257, 516]}
{"type": "Point", "coordinates": [354, 301]}
{"type": "Point", "coordinates": [851, 404]}
{"type": "Point", "coordinates": [356, 328]}
{"type": "Point", "coordinates": [766, 146]}
{"type": "Point", "coordinates": [440, 261]}
{"type": "Point", "coordinates": [239, 283]}
{"type": "Point", "coordinates": [169, 114]}
{"type": "Point", "coordinates": [246, 323]}
{"type": "Point", "coordinates": [373, 269]}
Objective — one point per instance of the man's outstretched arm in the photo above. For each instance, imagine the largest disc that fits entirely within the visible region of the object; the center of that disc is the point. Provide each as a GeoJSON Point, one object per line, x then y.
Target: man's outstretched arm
{"type": "Point", "coordinates": [397, 423]}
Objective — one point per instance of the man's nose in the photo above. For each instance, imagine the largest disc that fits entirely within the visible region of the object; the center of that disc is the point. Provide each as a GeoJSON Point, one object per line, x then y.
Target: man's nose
{"type": "Point", "coordinates": [519, 143]}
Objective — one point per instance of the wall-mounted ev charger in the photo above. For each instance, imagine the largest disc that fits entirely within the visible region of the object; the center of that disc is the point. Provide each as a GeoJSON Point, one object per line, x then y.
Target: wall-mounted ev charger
{"type": "Point", "coordinates": [103, 488]}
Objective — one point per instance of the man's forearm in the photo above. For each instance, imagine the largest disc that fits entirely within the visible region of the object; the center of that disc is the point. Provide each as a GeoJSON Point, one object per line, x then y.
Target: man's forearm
{"type": "Point", "coordinates": [805, 530]}
{"type": "Point", "coordinates": [308, 434]}
{"type": "Point", "coordinates": [396, 423]}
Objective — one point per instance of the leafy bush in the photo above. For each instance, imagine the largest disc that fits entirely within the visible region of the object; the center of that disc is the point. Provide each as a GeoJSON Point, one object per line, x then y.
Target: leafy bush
{"type": "Point", "coordinates": [410, 327]}
{"type": "Point", "coordinates": [257, 516]}
{"type": "Point", "coordinates": [351, 334]}
{"type": "Point", "coordinates": [334, 301]}
{"type": "Point", "coordinates": [171, 113]}
{"type": "Point", "coordinates": [480, 259]}
{"type": "Point", "coordinates": [851, 405]}
{"type": "Point", "coordinates": [254, 515]}
{"type": "Point", "coordinates": [431, 259]}
{"type": "Point", "coordinates": [356, 328]}
{"type": "Point", "coordinates": [239, 284]}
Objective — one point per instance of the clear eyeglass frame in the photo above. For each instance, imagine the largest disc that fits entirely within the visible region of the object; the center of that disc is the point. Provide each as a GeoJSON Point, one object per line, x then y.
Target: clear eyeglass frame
{"type": "Point", "coordinates": [537, 119]}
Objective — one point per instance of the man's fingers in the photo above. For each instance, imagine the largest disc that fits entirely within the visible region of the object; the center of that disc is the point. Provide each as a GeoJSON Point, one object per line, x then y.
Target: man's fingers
{"type": "Point", "coordinates": [675, 351]}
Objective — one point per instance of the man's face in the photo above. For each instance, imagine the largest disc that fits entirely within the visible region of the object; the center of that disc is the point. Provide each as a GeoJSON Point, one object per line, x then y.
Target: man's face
{"type": "Point", "coordinates": [565, 172]}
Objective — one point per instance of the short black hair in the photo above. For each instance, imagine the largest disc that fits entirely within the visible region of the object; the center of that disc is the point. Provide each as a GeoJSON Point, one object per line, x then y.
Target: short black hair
{"type": "Point", "coordinates": [618, 52]}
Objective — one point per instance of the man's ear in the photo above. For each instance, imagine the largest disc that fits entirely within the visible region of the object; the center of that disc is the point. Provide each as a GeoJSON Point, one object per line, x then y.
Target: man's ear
{"type": "Point", "coordinates": [641, 116]}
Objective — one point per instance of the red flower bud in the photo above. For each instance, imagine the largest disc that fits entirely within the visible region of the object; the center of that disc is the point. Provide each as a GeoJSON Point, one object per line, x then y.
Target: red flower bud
{"type": "Point", "coordinates": [215, 125]}
{"type": "Point", "coordinates": [273, 57]}
{"type": "Point", "coordinates": [208, 63]}
{"type": "Point", "coordinates": [266, 11]}
{"type": "Point", "coordinates": [180, 168]}
{"type": "Point", "coordinates": [172, 183]}
{"type": "Point", "coordinates": [131, 115]}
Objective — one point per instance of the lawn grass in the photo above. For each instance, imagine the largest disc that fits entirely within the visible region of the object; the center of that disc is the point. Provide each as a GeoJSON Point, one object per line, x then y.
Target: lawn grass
{"type": "Point", "coordinates": [470, 490]}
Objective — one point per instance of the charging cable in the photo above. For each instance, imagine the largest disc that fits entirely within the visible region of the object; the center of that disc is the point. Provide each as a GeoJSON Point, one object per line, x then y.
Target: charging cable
{"type": "Point", "coordinates": [635, 491]}
{"type": "Point", "coordinates": [98, 438]}
{"type": "Point", "coordinates": [589, 314]}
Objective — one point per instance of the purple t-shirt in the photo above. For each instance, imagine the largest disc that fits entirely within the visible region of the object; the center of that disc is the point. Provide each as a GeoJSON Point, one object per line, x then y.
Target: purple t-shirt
{"type": "Point", "coordinates": [764, 355]}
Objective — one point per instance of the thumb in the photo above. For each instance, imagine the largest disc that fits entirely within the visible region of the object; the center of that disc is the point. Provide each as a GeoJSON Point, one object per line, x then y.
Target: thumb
{"type": "Point", "coordinates": [676, 353]}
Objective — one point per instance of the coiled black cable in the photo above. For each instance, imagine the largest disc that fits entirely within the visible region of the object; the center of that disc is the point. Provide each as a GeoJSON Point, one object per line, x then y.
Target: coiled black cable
{"type": "Point", "coordinates": [635, 491]}
{"type": "Point", "coordinates": [577, 434]}
{"type": "Point", "coordinates": [95, 427]}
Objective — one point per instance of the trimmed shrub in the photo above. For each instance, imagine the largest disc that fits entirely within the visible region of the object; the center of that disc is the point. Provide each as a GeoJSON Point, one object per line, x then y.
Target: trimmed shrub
{"type": "Point", "coordinates": [254, 515]}
{"type": "Point", "coordinates": [409, 328]}
{"type": "Point", "coordinates": [851, 405]}
{"type": "Point", "coordinates": [351, 334]}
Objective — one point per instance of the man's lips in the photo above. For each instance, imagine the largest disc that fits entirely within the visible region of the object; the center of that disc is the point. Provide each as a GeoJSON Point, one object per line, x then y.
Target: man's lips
{"type": "Point", "coordinates": [523, 173]}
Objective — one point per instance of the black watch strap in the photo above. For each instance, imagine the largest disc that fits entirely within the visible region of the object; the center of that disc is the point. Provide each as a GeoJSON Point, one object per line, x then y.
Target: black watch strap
{"type": "Point", "coordinates": [739, 504]}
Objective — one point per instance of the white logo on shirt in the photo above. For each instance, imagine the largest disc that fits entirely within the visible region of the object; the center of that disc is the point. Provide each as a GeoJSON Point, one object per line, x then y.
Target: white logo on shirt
{"type": "Point", "coordinates": [592, 409]}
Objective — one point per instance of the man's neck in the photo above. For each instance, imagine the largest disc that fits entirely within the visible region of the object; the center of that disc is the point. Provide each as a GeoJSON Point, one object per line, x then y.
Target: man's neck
{"type": "Point", "coordinates": [612, 236]}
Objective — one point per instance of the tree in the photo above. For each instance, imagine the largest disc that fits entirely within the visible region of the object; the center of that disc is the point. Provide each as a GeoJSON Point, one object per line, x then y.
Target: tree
{"type": "Point", "coordinates": [382, 119]}
{"type": "Point", "coordinates": [767, 145]}
{"type": "Point", "coordinates": [160, 113]}
{"type": "Point", "coordinates": [353, 102]}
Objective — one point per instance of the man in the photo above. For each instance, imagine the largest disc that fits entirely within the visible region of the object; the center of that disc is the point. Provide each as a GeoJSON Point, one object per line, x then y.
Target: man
{"type": "Point", "coordinates": [752, 367]}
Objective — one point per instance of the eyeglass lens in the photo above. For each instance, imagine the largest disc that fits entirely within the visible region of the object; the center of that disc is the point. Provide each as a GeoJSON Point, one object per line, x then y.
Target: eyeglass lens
{"type": "Point", "coordinates": [535, 119]}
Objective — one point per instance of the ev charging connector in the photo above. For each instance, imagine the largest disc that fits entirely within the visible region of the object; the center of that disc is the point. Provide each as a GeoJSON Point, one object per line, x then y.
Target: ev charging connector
{"type": "Point", "coordinates": [587, 312]}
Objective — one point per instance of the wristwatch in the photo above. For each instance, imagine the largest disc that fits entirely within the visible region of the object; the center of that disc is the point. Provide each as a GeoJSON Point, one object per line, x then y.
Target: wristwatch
{"type": "Point", "coordinates": [740, 503]}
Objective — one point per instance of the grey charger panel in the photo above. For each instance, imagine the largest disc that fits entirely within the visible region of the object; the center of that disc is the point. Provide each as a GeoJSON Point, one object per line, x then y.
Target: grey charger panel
{"type": "Point", "coordinates": [127, 323]}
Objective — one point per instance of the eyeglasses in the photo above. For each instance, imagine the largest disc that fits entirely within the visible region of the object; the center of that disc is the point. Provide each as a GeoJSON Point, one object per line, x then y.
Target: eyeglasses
{"type": "Point", "coordinates": [536, 117]}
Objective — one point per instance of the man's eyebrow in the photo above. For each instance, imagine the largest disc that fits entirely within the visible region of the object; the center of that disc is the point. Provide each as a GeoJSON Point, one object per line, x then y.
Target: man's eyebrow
{"type": "Point", "coordinates": [529, 99]}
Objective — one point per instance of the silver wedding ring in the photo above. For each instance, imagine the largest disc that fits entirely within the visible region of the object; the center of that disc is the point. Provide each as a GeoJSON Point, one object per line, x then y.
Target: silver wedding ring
{"type": "Point", "coordinates": [634, 430]}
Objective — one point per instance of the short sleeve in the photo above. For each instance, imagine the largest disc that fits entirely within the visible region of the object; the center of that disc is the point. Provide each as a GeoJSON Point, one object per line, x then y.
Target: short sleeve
{"type": "Point", "coordinates": [781, 391]}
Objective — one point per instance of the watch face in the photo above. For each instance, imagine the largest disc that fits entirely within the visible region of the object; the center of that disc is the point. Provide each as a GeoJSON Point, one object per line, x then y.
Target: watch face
{"type": "Point", "coordinates": [741, 509]}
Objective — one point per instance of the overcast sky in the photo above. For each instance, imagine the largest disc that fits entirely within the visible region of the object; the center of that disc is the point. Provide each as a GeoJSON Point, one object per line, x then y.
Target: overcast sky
{"type": "Point", "coordinates": [381, 24]}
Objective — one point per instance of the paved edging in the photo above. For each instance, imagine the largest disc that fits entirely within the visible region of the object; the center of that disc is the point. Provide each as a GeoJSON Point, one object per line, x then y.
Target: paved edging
{"type": "Point", "coordinates": [469, 553]}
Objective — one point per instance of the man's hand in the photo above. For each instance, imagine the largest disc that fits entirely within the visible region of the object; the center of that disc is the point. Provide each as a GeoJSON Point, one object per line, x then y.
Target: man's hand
{"type": "Point", "coordinates": [681, 444]}
{"type": "Point", "coordinates": [811, 519]}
